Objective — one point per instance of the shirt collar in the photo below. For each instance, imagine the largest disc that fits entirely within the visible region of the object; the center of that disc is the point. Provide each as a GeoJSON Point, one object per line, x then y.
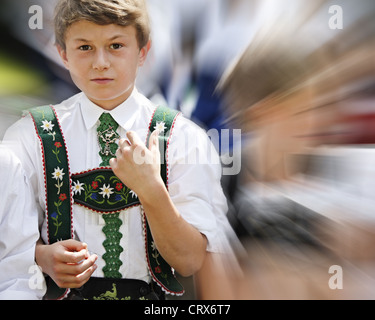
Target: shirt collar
{"type": "Point", "coordinates": [125, 114]}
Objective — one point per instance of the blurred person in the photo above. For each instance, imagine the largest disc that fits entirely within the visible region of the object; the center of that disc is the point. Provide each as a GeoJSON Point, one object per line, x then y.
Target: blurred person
{"type": "Point", "coordinates": [297, 224]}
{"type": "Point", "coordinates": [200, 56]}
{"type": "Point", "coordinates": [19, 233]}
{"type": "Point", "coordinates": [119, 238]}
{"type": "Point", "coordinates": [154, 77]}
{"type": "Point", "coordinates": [225, 32]}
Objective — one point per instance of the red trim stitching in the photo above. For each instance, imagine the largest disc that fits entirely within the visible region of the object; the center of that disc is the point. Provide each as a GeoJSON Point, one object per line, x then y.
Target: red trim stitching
{"type": "Point", "coordinates": [149, 126]}
{"type": "Point", "coordinates": [45, 183]}
{"type": "Point", "coordinates": [105, 212]}
{"type": "Point", "coordinates": [148, 260]}
{"type": "Point", "coordinates": [144, 213]}
{"type": "Point", "coordinates": [91, 170]}
{"type": "Point", "coordinates": [69, 172]}
{"type": "Point", "coordinates": [167, 151]}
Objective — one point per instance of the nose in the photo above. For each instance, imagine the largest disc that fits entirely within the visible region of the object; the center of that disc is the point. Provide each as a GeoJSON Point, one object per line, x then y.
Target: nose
{"type": "Point", "coordinates": [101, 61]}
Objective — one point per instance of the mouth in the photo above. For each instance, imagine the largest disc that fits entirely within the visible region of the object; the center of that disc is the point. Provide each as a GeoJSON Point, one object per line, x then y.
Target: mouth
{"type": "Point", "coordinates": [102, 81]}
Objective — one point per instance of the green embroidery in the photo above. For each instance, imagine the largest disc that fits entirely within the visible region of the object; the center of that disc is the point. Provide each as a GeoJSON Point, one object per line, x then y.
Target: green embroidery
{"type": "Point", "coordinates": [159, 269]}
{"type": "Point", "coordinates": [56, 173]}
{"type": "Point", "coordinates": [55, 216]}
{"type": "Point", "coordinates": [107, 137]}
{"type": "Point", "coordinates": [102, 191]}
{"type": "Point", "coordinates": [161, 272]}
{"type": "Point", "coordinates": [56, 152]}
{"type": "Point", "coordinates": [58, 188]}
{"type": "Point", "coordinates": [112, 295]}
{"type": "Point", "coordinates": [109, 295]}
{"type": "Point", "coordinates": [112, 246]}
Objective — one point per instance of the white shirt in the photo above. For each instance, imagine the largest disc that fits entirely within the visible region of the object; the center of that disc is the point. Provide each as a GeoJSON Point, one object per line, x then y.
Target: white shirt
{"type": "Point", "coordinates": [194, 188]}
{"type": "Point", "coordinates": [19, 275]}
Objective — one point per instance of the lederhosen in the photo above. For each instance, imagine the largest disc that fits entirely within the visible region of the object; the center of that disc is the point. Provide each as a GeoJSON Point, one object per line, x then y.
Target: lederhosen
{"type": "Point", "coordinates": [60, 199]}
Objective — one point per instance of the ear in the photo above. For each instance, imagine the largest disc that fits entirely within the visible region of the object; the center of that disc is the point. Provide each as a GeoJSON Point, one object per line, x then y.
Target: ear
{"type": "Point", "coordinates": [63, 55]}
{"type": "Point", "coordinates": [144, 52]}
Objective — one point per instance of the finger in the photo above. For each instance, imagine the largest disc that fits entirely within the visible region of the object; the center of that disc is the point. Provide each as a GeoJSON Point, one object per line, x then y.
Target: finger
{"type": "Point", "coordinates": [118, 153]}
{"type": "Point", "coordinates": [134, 139]}
{"type": "Point", "coordinates": [76, 269]}
{"type": "Point", "coordinates": [86, 275]}
{"type": "Point", "coordinates": [113, 163]}
{"type": "Point", "coordinates": [73, 245]}
{"type": "Point", "coordinates": [154, 140]}
{"type": "Point", "coordinates": [123, 143]}
{"type": "Point", "coordinates": [74, 257]}
{"type": "Point", "coordinates": [76, 281]}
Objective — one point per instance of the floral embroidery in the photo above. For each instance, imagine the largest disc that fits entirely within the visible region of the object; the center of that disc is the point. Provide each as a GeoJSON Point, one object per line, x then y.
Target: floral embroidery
{"type": "Point", "coordinates": [158, 269]}
{"type": "Point", "coordinates": [106, 191]}
{"type": "Point", "coordinates": [160, 126]}
{"type": "Point", "coordinates": [102, 191]}
{"type": "Point", "coordinates": [77, 187]}
{"type": "Point", "coordinates": [55, 216]}
{"type": "Point", "coordinates": [47, 125]}
{"type": "Point", "coordinates": [155, 254]}
{"type": "Point", "coordinates": [63, 197]}
{"type": "Point", "coordinates": [57, 181]}
{"type": "Point", "coordinates": [58, 175]}
{"type": "Point", "coordinates": [56, 223]}
{"type": "Point", "coordinates": [56, 152]}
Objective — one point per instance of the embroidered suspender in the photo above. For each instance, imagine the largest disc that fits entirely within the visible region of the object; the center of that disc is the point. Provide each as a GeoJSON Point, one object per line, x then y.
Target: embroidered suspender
{"type": "Point", "coordinates": [57, 182]}
{"type": "Point", "coordinates": [59, 192]}
{"type": "Point", "coordinates": [163, 120]}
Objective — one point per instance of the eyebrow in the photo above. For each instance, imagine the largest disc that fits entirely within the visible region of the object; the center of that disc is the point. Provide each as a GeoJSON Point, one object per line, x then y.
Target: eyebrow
{"type": "Point", "coordinates": [111, 39]}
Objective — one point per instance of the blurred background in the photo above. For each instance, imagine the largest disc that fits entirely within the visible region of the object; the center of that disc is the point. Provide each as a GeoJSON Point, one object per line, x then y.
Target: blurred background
{"type": "Point", "coordinates": [298, 79]}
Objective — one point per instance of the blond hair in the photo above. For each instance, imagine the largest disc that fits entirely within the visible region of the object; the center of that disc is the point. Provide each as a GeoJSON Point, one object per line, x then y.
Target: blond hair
{"type": "Point", "coordinates": [103, 12]}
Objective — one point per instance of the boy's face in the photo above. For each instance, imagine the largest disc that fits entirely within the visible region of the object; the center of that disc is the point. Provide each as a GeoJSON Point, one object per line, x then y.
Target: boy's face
{"type": "Point", "coordinates": [103, 61]}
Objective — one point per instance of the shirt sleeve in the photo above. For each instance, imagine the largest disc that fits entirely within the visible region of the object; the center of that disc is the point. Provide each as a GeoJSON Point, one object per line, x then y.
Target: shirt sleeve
{"type": "Point", "coordinates": [22, 139]}
{"type": "Point", "coordinates": [194, 183]}
{"type": "Point", "coordinates": [20, 278]}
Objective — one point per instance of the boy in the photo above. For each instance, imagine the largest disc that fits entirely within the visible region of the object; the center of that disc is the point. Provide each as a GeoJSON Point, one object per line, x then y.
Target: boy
{"type": "Point", "coordinates": [103, 43]}
{"type": "Point", "coordinates": [20, 279]}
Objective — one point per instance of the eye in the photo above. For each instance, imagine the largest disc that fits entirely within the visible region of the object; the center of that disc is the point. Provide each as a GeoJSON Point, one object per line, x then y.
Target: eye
{"type": "Point", "coordinates": [116, 46]}
{"type": "Point", "coordinates": [85, 47]}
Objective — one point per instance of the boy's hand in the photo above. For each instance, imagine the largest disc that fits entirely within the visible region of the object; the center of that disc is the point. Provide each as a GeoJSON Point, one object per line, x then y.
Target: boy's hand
{"type": "Point", "coordinates": [137, 166]}
{"type": "Point", "coordinates": [68, 262]}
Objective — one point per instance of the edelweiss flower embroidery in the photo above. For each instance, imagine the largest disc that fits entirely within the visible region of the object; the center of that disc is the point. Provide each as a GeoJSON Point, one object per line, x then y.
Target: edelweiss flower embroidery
{"type": "Point", "coordinates": [78, 187]}
{"type": "Point", "coordinates": [153, 245]}
{"type": "Point", "coordinates": [106, 191]}
{"type": "Point", "coordinates": [47, 125]}
{"type": "Point", "coordinates": [134, 195]}
{"type": "Point", "coordinates": [160, 126]}
{"type": "Point", "coordinates": [58, 174]}
{"type": "Point", "coordinates": [155, 253]}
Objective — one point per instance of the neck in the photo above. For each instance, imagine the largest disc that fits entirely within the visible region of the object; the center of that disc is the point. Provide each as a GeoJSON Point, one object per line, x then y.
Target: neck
{"type": "Point", "coordinates": [111, 104]}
